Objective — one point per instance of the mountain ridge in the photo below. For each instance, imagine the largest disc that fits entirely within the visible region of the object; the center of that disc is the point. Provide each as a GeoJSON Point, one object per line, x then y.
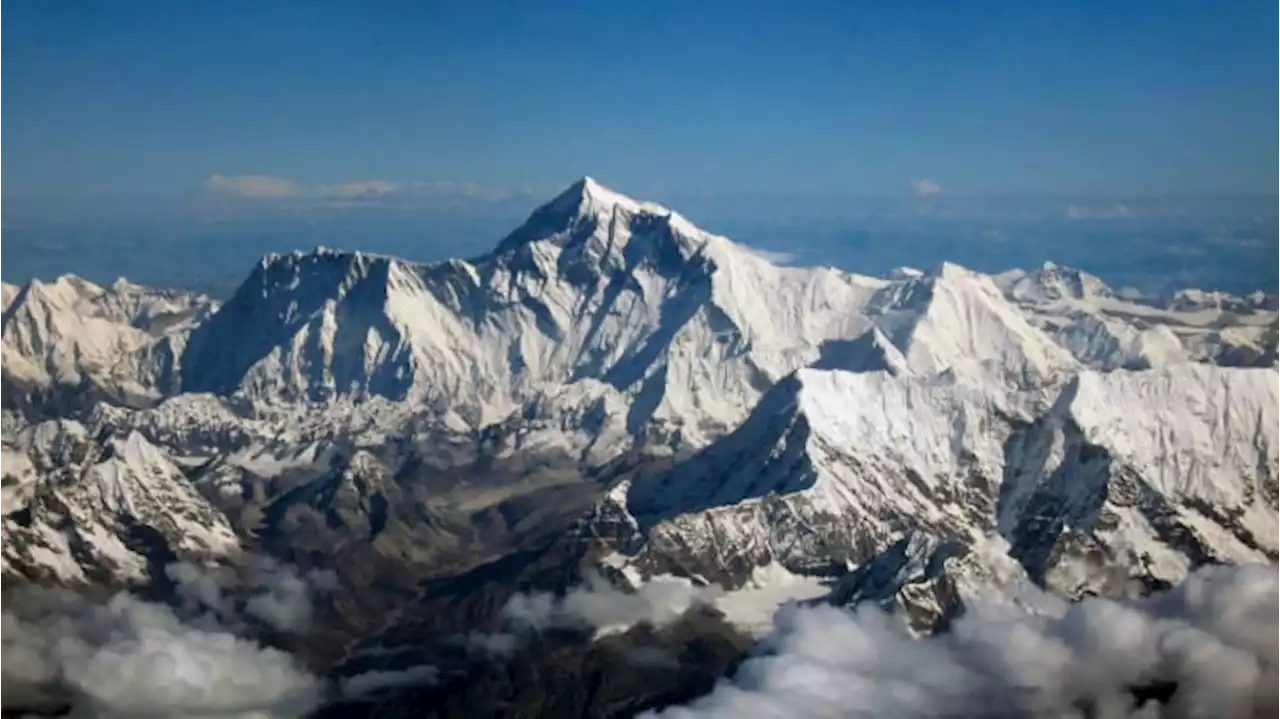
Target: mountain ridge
{"type": "Point", "coordinates": [611, 389]}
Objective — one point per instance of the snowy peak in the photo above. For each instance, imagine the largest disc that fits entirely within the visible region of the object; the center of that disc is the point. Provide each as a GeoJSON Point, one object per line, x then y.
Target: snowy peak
{"type": "Point", "coordinates": [1129, 477]}
{"type": "Point", "coordinates": [869, 352]}
{"type": "Point", "coordinates": [589, 233]}
{"type": "Point", "coordinates": [955, 320]}
{"type": "Point", "coordinates": [1052, 282]}
{"type": "Point", "coordinates": [1158, 472]}
{"type": "Point", "coordinates": [589, 196]}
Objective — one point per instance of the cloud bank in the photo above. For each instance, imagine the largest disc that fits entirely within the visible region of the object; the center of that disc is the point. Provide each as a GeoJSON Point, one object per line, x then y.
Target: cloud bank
{"type": "Point", "coordinates": [1207, 649]}
{"type": "Point", "coordinates": [128, 657]}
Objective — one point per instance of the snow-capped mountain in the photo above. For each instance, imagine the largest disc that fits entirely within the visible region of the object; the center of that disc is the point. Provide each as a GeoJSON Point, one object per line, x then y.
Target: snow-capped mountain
{"type": "Point", "coordinates": [696, 409]}
{"type": "Point", "coordinates": [594, 287]}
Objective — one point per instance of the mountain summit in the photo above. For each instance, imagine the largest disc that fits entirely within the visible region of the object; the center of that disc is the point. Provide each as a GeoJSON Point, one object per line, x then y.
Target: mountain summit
{"type": "Point", "coordinates": [593, 287]}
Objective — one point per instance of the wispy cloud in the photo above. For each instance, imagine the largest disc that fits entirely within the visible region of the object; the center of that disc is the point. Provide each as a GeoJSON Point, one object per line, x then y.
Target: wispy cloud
{"type": "Point", "coordinates": [281, 596]}
{"type": "Point", "coordinates": [273, 187]}
{"type": "Point", "coordinates": [1111, 212]}
{"type": "Point", "coordinates": [924, 187]}
{"type": "Point", "coordinates": [777, 257]}
{"type": "Point", "coordinates": [253, 186]}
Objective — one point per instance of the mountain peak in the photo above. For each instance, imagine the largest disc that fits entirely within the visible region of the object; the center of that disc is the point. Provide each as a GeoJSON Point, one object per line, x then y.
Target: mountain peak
{"type": "Point", "coordinates": [594, 222]}
{"type": "Point", "coordinates": [589, 196]}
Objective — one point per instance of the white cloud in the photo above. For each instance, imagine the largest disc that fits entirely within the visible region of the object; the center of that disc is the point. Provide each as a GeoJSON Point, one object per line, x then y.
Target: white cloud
{"type": "Point", "coordinates": [134, 658]}
{"type": "Point", "coordinates": [270, 187]}
{"type": "Point", "coordinates": [596, 604]}
{"type": "Point", "coordinates": [279, 595]}
{"type": "Point", "coordinates": [254, 186]}
{"type": "Point", "coordinates": [599, 605]}
{"type": "Point", "coordinates": [1213, 641]}
{"type": "Point", "coordinates": [925, 187]}
{"type": "Point", "coordinates": [357, 189]}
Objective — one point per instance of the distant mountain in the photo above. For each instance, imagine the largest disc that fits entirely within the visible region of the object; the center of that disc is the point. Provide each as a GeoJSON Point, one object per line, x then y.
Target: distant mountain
{"type": "Point", "coordinates": [614, 390]}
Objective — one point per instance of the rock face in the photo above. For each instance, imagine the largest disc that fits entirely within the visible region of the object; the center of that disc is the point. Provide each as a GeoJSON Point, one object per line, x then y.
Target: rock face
{"type": "Point", "coordinates": [648, 399]}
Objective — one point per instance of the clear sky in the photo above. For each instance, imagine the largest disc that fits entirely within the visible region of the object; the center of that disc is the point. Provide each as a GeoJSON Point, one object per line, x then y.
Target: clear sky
{"type": "Point", "coordinates": [835, 96]}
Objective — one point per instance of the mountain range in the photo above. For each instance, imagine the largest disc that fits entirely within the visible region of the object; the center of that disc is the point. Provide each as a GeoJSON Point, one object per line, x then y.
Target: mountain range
{"type": "Point", "coordinates": [614, 392]}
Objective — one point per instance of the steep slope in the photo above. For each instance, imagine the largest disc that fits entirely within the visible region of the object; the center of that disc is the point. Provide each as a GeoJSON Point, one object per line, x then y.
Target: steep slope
{"type": "Point", "coordinates": [828, 468]}
{"type": "Point", "coordinates": [108, 509]}
{"type": "Point", "coordinates": [1157, 472]}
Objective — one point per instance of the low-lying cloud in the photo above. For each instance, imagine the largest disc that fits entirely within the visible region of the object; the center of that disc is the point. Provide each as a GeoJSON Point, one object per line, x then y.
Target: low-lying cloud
{"type": "Point", "coordinates": [1110, 212]}
{"type": "Point", "coordinates": [128, 657]}
{"type": "Point", "coordinates": [254, 186]}
{"type": "Point", "coordinates": [1205, 649]}
{"type": "Point", "coordinates": [271, 187]}
{"type": "Point", "coordinates": [596, 605]}
{"type": "Point", "coordinates": [279, 595]}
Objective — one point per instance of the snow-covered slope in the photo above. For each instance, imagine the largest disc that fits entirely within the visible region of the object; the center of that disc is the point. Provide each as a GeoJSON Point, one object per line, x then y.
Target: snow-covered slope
{"type": "Point", "coordinates": [956, 321]}
{"type": "Point", "coordinates": [1159, 471]}
{"type": "Point", "coordinates": [1129, 478]}
{"type": "Point", "coordinates": [825, 472]}
{"type": "Point", "coordinates": [124, 339]}
{"type": "Point", "coordinates": [82, 509]}
{"type": "Point", "coordinates": [1107, 332]}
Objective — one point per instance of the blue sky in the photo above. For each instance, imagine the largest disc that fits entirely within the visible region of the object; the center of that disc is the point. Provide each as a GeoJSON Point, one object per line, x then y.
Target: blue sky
{"type": "Point", "coordinates": [151, 99]}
